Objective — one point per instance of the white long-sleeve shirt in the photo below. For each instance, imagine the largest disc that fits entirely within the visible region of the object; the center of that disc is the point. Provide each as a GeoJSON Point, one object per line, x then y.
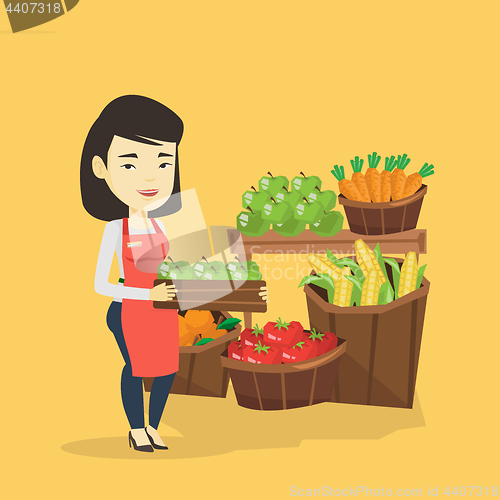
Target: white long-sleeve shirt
{"type": "Point", "coordinates": [111, 243]}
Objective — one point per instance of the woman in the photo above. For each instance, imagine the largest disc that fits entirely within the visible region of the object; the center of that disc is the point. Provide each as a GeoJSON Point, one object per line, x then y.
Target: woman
{"type": "Point", "coordinates": [130, 171]}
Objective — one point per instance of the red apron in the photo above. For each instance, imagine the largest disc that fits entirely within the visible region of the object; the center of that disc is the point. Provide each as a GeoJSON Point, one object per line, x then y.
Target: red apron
{"type": "Point", "coordinates": [151, 335]}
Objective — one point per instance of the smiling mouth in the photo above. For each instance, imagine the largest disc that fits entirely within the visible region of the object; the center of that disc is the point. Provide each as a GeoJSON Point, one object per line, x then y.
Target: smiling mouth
{"type": "Point", "coordinates": [148, 192]}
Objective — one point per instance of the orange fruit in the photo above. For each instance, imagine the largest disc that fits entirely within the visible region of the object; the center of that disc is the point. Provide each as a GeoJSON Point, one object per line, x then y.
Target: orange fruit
{"type": "Point", "coordinates": [213, 333]}
{"type": "Point", "coordinates": [185, 336]}
{"type": "Point", "coordinates": [198, 322]}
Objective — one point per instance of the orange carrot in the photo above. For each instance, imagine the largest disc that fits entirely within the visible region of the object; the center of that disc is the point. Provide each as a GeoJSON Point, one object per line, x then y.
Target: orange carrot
{"type": "Point", "coordinates": [398, 177]}
{"type": "Point", "coordinates": [414, 181]}
{"type": "Point", "coordinates": [359, 179]}
{"type": "Point", "coordinates": [346, 187]}
{"type": "Point", "coordinates": [373, 180]}
{"type": "Point", "coordinates": [385, 178]}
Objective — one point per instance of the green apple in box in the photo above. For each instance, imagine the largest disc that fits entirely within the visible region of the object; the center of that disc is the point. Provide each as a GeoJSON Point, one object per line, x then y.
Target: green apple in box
{"type": "Point", "coordinates": [307, 211]}
{"type": "Point", "coordinates": [201, 267]}
{"type": "Point", "coordinates": [277, 213]}
{"type": "Point", "coordinates": [305, 184]}
{"type": "Point", "coordinates": [292, 227]}
{"type": "Point", "coordinates": [329, 224]}
{"type": "Point", "coordinates": [215, 271]}
{"type": "Point", "coordinates": [244, 270]}
{"type": "Point", "coordinates": [183, 273]}
{"type": "Point", "coordinates": [240, 273]}
{"type": "Point", "coordinates": [166, 267]}
{"type": "Point", "coordinates": [327, 199]}
{"type": "Point", "coordinates": [255, 200]}
{"type": "Point", "coordinates": [273, 185]}
{"type": "Point", "coordinates": [252, 224]}
{"type": "Point", "coordinates": [253, 270]}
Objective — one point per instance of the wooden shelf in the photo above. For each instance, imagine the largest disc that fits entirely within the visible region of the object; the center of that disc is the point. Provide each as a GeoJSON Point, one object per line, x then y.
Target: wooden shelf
{"type": "Point", "coordinates": [272, 242]}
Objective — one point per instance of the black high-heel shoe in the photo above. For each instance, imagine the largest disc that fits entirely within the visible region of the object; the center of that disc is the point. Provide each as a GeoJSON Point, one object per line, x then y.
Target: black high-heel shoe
{"type": "Point", "coordinates": [153, 444]}
{"type": "Point", "coordinates": [145, 447]}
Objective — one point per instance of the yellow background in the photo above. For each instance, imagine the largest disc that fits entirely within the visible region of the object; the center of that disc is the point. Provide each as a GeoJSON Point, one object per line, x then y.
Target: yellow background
{"type": "Point", "coordinates": [262, 85]}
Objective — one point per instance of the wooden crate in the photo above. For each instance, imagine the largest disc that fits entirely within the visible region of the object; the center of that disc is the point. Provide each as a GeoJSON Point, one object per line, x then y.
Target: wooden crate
{"type": "Point", "coordinates": [223, 295]}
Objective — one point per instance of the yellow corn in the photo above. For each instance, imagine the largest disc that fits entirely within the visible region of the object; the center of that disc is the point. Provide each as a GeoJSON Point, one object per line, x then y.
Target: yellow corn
{"type": "Point", "coordinates": [343, 289]}
{"type": "Point", "coordinates": [371, 289]}
{"type": "Point", "coordinates": [367, 260]}
{"type": "Point", "coordinates": [409, 272]}
{"type": "Point", "coordinates": [324, 266]}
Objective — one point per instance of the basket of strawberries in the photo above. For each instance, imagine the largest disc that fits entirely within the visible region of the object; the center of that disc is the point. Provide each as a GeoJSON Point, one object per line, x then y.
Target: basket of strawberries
{"type": "Point", "coordinates": [283, 366]}
{"type": "Point", "coordinates": [384, 202]}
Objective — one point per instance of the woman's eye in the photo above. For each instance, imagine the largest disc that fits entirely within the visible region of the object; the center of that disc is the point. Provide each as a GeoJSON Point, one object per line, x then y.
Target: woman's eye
{"type": "Point", "coordinates": [128, 166]}
{"type": "Point", "coordinates": [164, 165]}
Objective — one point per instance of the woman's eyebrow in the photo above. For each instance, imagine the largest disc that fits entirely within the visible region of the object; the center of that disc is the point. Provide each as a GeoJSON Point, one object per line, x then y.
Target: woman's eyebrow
{"type": "Point", "coordinates": [129, 155]}
{"type": "Point", "coordinates": [164, 154]}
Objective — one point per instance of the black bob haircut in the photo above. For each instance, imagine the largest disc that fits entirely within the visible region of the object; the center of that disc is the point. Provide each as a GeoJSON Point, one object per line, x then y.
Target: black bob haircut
{"type": "Point", "coordinates": [130, 117]}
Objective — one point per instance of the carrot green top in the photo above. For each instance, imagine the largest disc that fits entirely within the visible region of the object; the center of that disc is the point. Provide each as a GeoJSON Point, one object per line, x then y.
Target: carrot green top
{"type": "Point", "coordinates": [390, 163]}
{"type": "Point", "coordinates": [338, 172]}
{"type": "Point", "coordinates": [426, 170]}
{"type": "Point", "coordinates": [373, 160]}
{"type": "Point", "coordinates": [357, 164]}
{"type": "Point", "coordinates": [402, 162]}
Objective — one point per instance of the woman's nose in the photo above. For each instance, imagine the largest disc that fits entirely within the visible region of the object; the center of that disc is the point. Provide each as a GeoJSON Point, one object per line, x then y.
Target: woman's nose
{"type": "Point", "coordinates": [150, 180]}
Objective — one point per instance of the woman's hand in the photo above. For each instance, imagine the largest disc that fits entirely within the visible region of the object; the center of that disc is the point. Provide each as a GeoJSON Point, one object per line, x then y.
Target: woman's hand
{"type": "Point", "coordinates": [162, 292]}
{"type": "Point", "coordinates": [263, 294]}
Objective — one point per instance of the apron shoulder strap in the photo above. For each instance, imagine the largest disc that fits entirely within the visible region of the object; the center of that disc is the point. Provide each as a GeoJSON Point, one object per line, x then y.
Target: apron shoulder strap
{"type": "Point", "coordinates": [159, 231]}
{"type": "Point", "coordinates": [156, 226]}
{"type": "Point", "coordinates": [125, 227]}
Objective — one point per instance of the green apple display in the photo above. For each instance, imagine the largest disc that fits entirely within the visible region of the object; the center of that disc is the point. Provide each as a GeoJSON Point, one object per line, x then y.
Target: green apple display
{"type": "Point", "coordinates": [291, 197]}
{"type": "Point", "coordinates": [255, 199]}
{"type": "Point", "coordinates": [307, 211]}
{"type": "Point", "coordinates": [252, 224]}
{"type": "Point", "coordinates": [273, 185]}
{"type": "Point", "coordinates": [305, 184]}
{"type": "Point", "coordinates": [277, 213]}
{"type": "Point", "coordinates": [329, 224]}
{"type": "Point", "coordinates": [292, 227]}
{"type": "Point", "coordinates": [327, 199]}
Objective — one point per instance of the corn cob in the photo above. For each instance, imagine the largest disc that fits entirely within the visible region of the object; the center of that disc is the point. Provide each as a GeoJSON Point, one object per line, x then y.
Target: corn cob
{"type": "Point", "coordinates": [367, 260]}
{"type": "Point", "coordinates": [324, 266]}
{"type": "Point", "coordinates": [371, 289]}
{"type": "Point", "coordinates": [343, 289]}
{"type": "Point", "coordinates": [409, 272]}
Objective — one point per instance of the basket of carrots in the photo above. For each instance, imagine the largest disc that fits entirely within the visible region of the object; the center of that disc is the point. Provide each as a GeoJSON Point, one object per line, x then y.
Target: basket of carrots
{"type": "Point", "coordinates": [383, 202]}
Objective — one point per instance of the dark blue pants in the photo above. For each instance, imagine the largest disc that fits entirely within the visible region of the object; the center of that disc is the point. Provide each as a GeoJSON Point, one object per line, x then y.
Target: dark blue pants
{"type": "Point", "coordinates": [132, 395]}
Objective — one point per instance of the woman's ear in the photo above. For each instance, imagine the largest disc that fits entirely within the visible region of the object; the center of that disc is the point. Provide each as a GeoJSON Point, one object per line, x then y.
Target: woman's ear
{"type": "Point", "coordinates": [98, 167]}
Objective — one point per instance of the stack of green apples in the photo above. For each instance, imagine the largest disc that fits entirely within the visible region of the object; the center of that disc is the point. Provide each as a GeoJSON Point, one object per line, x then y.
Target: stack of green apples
{"type": "Point", "coordinates": [315, 207]}
{"type": "Point", "coordinates": [254, 221]}
{"type": "Point", "coordinates": [289, 210]}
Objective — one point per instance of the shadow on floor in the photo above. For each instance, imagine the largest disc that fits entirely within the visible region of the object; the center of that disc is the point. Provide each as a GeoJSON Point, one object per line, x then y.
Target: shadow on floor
{"type": "Point", "coordinates": [211, 426]}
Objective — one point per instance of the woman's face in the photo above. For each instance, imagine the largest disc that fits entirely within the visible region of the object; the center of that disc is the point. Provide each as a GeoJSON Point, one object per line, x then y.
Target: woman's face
{"type": "Point", "coordinates": [140, 175]}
